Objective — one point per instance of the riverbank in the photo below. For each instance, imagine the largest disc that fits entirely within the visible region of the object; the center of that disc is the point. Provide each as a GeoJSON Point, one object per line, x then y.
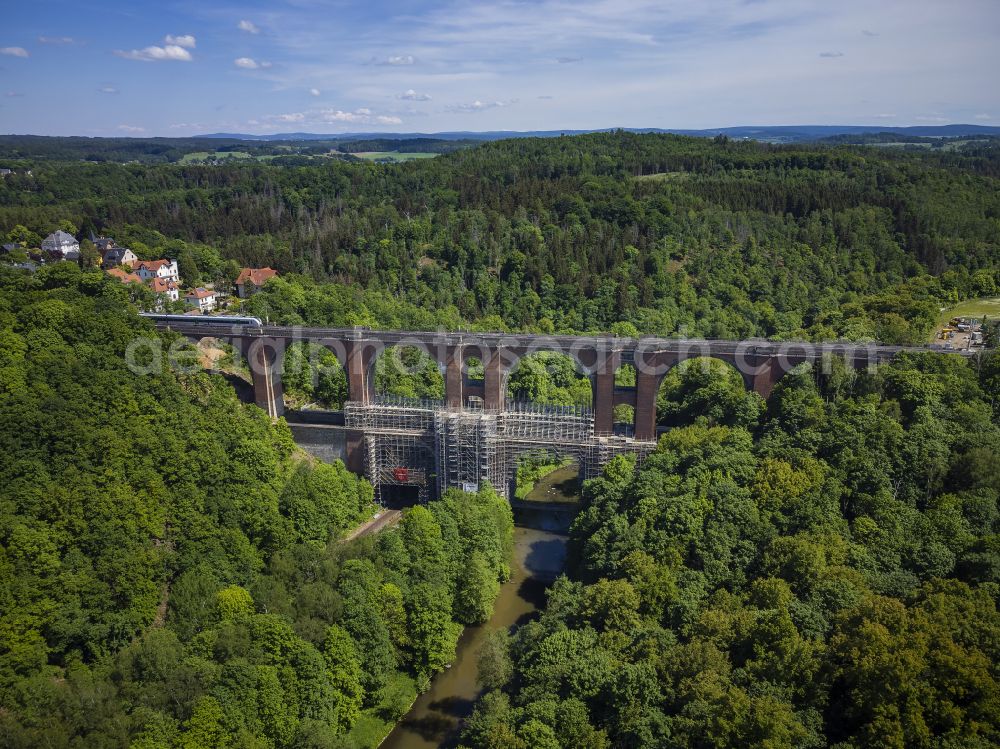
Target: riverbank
{"type": "Point", "coordinates": [433, 721]}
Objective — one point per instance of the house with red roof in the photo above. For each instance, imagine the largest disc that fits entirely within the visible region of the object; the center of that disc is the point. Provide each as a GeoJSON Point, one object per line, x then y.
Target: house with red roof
{"type": "Point", "coordinates": [123, 275]}
{"type": "Point", "coordinates": [251, 280]}
{"type": "Point", "coordinates": [201, 299]}
{"type": "Point", "coordinates": [166, 269]}
{"type": "Point", "coordinates": [166, 287]}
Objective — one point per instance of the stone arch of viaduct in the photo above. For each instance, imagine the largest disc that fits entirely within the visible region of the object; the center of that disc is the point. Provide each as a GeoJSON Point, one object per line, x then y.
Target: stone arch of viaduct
{"type": "Point", "coordinates": [760, 363]}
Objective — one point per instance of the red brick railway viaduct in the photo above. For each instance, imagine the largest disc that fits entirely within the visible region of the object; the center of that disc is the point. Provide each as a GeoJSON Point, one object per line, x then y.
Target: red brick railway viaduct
{"type": "Point", "coordinates": [761, 363]}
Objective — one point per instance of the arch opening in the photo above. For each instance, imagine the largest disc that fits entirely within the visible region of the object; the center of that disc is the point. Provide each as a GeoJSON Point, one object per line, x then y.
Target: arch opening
{"type": "Point", "coordinates": [549, 378]}
{"type": "Point", "coordinates": [473, 370]}
{"type": "Point", "coordinates": [313, 378]}
{"type": "Point", "coordinates": [408, 372]}
{"type": "Point", "coordinates": [624, 413]}
{"type": "Point", "coordinates": [708, 391]}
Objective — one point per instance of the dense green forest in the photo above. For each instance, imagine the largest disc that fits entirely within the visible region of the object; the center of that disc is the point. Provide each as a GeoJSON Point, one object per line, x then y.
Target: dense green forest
{"type": "Point", "coordinates": [170, 569]}
{"type": "Point", "coordinates": [824, 571]}
{"type": "Point", "coordinates": [669, 234]}
{"type": "Point", "coordinates": [820, 569]}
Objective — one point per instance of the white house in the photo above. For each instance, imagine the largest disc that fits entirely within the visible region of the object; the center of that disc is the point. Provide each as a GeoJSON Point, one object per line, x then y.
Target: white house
{"type": "Point", "coordinates": [166, 269]}
{"type": "Point", "coordinates": [63, 244]}
{"type": "Point", "coordinates": [201, 299]}
{"type": "Point", "coordinates": [116, 256]}
{"type": "Point", "coordinates": [166, 287]}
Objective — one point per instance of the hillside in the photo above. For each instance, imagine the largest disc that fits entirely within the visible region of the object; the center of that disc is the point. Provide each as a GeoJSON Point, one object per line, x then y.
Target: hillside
{"type": "Point", "coordinates": [170, 570]}
{"type": "Point", "coordinates": [672, 235]}
{"type": "Point", "coordinates": [822, 572]}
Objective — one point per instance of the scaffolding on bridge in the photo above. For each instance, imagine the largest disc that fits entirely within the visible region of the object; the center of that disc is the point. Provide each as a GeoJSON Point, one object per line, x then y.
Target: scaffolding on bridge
{"type": "Point", "coordinates": [427, 445]}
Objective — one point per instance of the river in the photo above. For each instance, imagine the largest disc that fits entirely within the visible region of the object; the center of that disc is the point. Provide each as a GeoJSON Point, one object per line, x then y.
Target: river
{"type": "Point", "coordinates": [539, 556]}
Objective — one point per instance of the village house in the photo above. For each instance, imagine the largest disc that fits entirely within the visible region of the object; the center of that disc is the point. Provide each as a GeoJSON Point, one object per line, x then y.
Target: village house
{"type": "Point", "coordinates": [166, 287]}
{"type": "Point", "coordinates": [103, 244]}
{"type": "Point", "coordinates": [166, 269]}
{"type": "Point", "coordinates": [201, 299]}
{"type": "Point", "coordinates": [124, 276]}
{"type": "Point", "coordinates": [251, 280]}
{"type": "Point", "coordinates": [116, 256]}
{"type": "Point", "coordinates": [62, 244]}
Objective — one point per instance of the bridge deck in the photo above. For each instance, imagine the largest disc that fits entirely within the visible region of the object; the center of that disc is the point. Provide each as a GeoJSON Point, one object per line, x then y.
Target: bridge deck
{"type": "Point", "coordinates": [206, 326]}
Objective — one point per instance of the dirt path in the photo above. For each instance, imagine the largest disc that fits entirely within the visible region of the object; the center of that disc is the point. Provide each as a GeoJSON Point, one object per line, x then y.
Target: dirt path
{"type": "Point", "coordinates": [376, 524]}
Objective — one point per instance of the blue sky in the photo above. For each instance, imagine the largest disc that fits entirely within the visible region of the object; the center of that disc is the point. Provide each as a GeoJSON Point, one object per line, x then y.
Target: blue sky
{"type": "Point", "coordinates": [186, 67]}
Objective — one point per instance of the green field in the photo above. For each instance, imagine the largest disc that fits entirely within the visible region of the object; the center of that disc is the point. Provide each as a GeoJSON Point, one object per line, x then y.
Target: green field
{"type": "Point", "coordinates": [978, 308]}
{"type": "Point", "coordinates": [393, 155]}
{"type": "Point", "coordinates": [198, 156]}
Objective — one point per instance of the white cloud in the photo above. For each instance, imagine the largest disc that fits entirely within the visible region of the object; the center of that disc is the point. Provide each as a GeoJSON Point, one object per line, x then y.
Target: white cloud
{"type": "Point", "coordinates": [248, 26]}
{"type": "Point", "coordinates": [14, 94]}
{"type": "Point", "coordinates": [885, 116]}
{"type": "Point", "coordinates": [184, 40]}
{"type": "Point", "coordinates": [247, 63]}
{"type": "Point", "coordinates": [314, 92]}
{"type": "Point", "coordinates": [360, 116]}
{"type": "Point", "coordinates": [170, 52]}
{"type": "Point", "coordinates": [14, 51]}
{"type": "Point", "coordinates": [131, 128]}
{"type": "Point", "coordinates": [983, 116]}
{"type": "Point", "coordinates": [108, 90]}
{"type": "Point", "coordinates": [497, 50]}
{"type": "Point", "coordinates": [398, 60]}
{"type": "Point", "coordinates": [567, 60]}
{"type": "Point", "coordinates": [56, 40]}
{"type": "Point", "coordinates": [931, 118]}
{"type": "Point", "coordinates": [479, 105]}
{"type": "Point", "coordinates": [411, 95]}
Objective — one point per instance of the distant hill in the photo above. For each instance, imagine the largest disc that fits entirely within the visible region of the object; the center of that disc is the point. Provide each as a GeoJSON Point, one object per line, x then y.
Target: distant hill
{"type": "Point", "coordinates": [774, 133]}
{"type": "Point", "coordinates": [296, 149]}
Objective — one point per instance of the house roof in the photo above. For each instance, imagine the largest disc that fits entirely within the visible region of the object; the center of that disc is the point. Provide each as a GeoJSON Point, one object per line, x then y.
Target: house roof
{"type": "Point", "coordinates": [256, 276]}
{"type": "Point", "coordinates": [62, 237]}
{"type": "Point", "coordinates": [162, 285]}
{"type": "Point", "coordinates": [123, 276]}
{"type": "Point", "coordinates": [116, 253]}
{"type": "Point", "coordinates": [153, 265]}
{"type": "Point", "coordinates": [199, 293]}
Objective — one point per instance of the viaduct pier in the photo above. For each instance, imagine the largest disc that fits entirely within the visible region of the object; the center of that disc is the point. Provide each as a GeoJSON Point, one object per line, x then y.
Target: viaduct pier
{"type": "Point", "coordinates": [476, 433]}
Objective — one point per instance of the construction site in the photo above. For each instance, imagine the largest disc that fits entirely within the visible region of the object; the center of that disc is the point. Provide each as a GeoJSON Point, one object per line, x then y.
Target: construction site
{"type": "Point", "coordinates": [418, 449]}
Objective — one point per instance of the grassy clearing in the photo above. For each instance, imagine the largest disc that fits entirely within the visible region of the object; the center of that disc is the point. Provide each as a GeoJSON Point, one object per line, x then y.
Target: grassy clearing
{"type": "Point", "coordinates": [199, 156]}
{"type": "Point", "coordinates": [978, 308]}
{"type": "Point", "coordinates": [395, 156]}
